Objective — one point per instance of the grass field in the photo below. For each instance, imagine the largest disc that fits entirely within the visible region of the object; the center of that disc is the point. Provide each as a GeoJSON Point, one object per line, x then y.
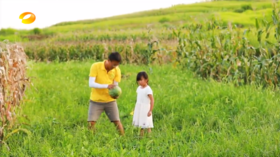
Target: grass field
{"type": "Point", "coordinates": [192, 117]}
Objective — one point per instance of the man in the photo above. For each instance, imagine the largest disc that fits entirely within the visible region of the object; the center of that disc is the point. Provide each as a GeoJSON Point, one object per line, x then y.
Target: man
{"type": "Point", "coordinates": [104, 76]}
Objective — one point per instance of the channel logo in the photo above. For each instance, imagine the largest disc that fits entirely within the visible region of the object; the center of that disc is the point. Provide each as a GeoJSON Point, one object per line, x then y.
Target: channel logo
{"type": "Point", "coordinates": [30, 20]}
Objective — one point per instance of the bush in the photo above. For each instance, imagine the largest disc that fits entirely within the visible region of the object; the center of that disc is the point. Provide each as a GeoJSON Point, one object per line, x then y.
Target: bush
{"type": "Point", "coordinates": [36, 31]}
{"type": "Point", "coordinates": [239, 10]}
{"type": "Point", "coordinates": [164, 19]}
{"type": "Point", "coordinates": [247, 7]}
{"type": "Point", "coordinates": [7, 31]}
{"type": "Point", "coordinates": [243, 8]}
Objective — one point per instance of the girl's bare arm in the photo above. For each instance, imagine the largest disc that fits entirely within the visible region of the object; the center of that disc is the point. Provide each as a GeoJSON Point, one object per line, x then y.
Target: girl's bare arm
{"type": "Point", "coordinates": [152, 102]}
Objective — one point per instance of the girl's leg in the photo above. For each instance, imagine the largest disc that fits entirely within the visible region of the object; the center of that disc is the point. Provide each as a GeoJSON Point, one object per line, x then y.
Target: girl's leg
{"type": "Point", "coordinates": [141, 132]}
{"type": "Point", "coordinates": [149, 130]}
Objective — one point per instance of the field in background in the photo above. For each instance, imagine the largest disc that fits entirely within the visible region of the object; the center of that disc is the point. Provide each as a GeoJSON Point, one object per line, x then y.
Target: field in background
{"type": "Point", "coordinates": [131, 33]}
{"type": "Point", "coordinates": [240, 13]}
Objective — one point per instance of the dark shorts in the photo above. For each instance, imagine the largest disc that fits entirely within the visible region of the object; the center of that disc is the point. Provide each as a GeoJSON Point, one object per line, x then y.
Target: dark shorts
{"type": "Point", "coordinates": [96, 108]}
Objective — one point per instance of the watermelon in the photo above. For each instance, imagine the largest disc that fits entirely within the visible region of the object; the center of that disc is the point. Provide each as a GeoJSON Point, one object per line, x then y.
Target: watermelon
{"type": "Point", "coordinates": [115, 92]}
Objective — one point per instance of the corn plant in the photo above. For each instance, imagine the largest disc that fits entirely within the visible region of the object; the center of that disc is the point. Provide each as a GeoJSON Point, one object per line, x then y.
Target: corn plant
{"type": "Point", "coordinates": [14, 82]}
{"type": "Point", "coordinates": [225, 54]}
{"type": "Point", "coordinates": [134, 52]}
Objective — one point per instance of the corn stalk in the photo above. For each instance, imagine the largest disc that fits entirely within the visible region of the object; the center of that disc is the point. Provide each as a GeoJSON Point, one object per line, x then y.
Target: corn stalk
{"type": "Point", "coordinates": [225, 53]}
{"type": "Point", "coordinates": [13, 83]}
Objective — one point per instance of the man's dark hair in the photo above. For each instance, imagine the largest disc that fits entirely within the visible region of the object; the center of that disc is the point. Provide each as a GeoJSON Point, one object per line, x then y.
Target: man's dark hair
{"type": "Point", "coordinates": [115, 56]}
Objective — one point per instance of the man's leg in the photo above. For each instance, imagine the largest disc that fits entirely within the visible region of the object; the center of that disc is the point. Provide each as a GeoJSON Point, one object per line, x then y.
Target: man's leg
{"type": "Point", "coordinates": [94, 113]}
{"type": "Point", "coordinates": [112, 112]}
{"type": "Point", "coordinates": [91, 125]}
{"type": "Point", "coordinates": [119, 126]}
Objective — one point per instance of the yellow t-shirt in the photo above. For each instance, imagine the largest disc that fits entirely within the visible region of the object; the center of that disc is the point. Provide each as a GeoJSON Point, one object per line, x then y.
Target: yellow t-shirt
{"type": "Point", "coordinates": [99, 71]}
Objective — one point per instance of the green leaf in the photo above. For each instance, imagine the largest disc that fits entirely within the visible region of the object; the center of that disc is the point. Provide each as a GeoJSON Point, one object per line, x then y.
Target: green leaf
{"type": "Point", "coordinates": [15, 131]}
{"type": "Point", "coordinates": [245, 32]}
{"type": "Point", "coordinates": [269, 42]}
{"type": "Point", "coordinates": [257, 24]}
{"type": "Point", "coordinates": [278, 30]}
{"type": "Point", "coordinates": [267, 35]}
{"type": "Point", "coordinates": [260, 35]}
{"type": "Point", "coordinates": [264, 22]}
{"type": "Point", "coordinates": [174, 33]}
{"type": "Point", "coordinates": [3, 142]}
{"type": "Point", "coordinates": [197, 43]}
{"type": "Point", "coordinates": [275, 21]}
{"type": "Point", "coordinates": [268, 26]}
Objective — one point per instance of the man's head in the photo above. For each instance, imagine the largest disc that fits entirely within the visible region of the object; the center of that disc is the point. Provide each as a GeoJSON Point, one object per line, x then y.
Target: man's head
{"type": "Point", "coordinates": [114, 60]}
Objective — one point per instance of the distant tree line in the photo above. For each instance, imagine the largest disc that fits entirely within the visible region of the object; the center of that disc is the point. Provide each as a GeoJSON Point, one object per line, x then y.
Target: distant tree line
{"type": "Point", "coordinates": [240, 0]}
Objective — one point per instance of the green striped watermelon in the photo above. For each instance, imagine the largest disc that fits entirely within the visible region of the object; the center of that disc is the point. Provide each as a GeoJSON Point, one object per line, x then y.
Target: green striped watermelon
{"type": "Point", "coordinates": [115, 92]}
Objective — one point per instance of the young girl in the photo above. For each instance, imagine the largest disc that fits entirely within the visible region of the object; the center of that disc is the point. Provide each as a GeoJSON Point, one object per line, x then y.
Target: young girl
{"type": "Point", "coordinates": [142, 116]}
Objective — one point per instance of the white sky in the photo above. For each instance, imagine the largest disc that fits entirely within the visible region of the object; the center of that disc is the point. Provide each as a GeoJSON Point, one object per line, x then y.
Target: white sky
{"type": "Point", "coordinates": [49, 12]}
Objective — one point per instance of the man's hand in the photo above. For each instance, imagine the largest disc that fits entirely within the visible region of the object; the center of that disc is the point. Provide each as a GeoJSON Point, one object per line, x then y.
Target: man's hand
{"type": "Point", "coordinates": [115, 97]}
{"type": "Point", "coordinates": [111, 86]}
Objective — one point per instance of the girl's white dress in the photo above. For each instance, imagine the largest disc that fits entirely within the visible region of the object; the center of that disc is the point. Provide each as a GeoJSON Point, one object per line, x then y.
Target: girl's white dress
{"type": "Point", "coordinates": [142, 107]}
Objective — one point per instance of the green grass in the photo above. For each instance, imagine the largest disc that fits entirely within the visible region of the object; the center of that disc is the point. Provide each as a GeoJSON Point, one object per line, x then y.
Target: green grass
{"type": "Point", "coordinates": [179, 13]}
{"type": "Point", "coordinates": [191, 117]}
{"type": "Point", "coordinates": [172, 12]}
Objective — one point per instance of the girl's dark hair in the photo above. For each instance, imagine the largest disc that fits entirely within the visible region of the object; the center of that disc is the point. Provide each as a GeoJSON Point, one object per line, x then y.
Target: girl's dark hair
{"type": "Point", "coordinates": [140, 75]}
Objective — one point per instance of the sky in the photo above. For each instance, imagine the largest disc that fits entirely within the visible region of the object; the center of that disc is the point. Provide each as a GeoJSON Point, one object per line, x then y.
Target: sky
{"type": "Point", "coordinates": [50, 12]}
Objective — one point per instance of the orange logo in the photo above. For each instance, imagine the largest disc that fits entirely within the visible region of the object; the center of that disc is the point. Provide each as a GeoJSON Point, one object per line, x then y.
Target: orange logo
{"type": "Point", "coordinates": [30, 20]}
